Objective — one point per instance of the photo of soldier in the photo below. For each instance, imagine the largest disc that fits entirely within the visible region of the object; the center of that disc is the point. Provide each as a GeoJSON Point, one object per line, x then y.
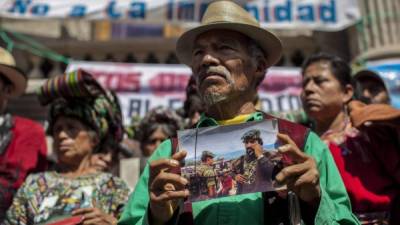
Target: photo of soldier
{"type": "Point", "coordinates": [207, 176]}
{"type": "Point", "coordinates": [247, 163]}
{"type": "Point", "coordinates": [253, 171]}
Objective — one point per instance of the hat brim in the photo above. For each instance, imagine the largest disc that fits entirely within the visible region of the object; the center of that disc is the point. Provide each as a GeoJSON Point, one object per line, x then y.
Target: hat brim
{"type": "Point", "coordinates": [17, 78]}
{"type": "Point", "coordinates": [267, 41]}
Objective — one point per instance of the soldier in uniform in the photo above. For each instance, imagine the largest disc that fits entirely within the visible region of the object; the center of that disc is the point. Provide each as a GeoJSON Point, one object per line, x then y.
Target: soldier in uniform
{"type": "Point", "coordinates": [207, 173]}
{"type": "Point", "coordinates": [252, 171]}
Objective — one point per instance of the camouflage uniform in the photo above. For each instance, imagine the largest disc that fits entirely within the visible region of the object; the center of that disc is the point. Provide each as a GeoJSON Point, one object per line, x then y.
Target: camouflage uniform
{"type": "Point", "coordinates": [209, 177]}
{"type": "Point", "coordinates": [206, 175]}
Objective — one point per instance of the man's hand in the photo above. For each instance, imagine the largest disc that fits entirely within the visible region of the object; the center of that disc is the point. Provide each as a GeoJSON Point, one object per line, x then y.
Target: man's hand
{"type": "Point", "coordinates": [240, 179]}
{"type": "Point", "coordinates": [166, 188]}
{"type": "Point", "coordinates": [302, 176]}
{"type": "Point", "coordinates": [94, 216]}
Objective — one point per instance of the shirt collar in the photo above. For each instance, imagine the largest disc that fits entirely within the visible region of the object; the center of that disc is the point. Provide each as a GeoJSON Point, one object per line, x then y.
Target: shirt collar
{"type": "Point", "coordinates": [206, 121]}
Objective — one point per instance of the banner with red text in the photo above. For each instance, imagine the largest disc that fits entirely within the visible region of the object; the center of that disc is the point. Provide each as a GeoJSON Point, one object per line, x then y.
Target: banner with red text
{"type": "Point", "coordinates": [141, 87]}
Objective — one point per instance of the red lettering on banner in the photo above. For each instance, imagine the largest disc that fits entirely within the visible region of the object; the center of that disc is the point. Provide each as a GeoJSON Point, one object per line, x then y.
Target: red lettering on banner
{"type": "Point", "coordinates": [119, 82]}
{"type": "Point", "coordinates": [280, 83]}
{"type": "Point", "coordinates": [167, 83]}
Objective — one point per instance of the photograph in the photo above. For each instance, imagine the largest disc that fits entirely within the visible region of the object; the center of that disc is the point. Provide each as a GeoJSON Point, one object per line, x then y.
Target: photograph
{"type": "Point", "coordinates": [231, 160]}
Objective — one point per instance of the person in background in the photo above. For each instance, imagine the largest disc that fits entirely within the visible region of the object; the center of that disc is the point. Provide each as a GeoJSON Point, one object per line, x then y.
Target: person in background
{"type": "Point", "coordinates": [82, 120]}
{"type": "Point", "coordinates": [158, 125]}
{"type": "Point", "coordinates": [229, 54]}
{"type": "Point", "coordinates": [22, 141]}
{"type": "Point", "coordinates": [370, 88]}
{"type": "Point", "coordinates": [363, 139]}
{"type": "Point", "coordinates": [193, 106]}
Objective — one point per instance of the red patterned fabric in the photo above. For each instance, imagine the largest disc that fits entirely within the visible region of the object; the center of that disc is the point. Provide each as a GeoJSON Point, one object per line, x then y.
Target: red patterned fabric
{"type": "Point", "coordinates": [25, 154]}
{"type": "Point", "coordinates": [369, 163]}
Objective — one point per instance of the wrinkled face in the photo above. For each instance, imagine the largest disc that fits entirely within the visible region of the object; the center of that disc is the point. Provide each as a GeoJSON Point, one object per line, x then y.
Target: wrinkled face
{"type": "Point", "coordinates": [249, 146]}
{"type": "Point", "coordinates": [322, 95]}
{"type": "Point", "coordinates": [153, 141]}
{"type": "Point", "coordinates": [73, 140]}
{"type": "Point", "coordinates": [373, 91]}
{"type": "Point", "coordinates": [222, 66]}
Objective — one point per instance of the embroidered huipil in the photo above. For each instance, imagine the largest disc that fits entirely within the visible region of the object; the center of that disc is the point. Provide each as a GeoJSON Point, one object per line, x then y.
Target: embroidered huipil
{"type": "Point", "coordinates": [47, 196]}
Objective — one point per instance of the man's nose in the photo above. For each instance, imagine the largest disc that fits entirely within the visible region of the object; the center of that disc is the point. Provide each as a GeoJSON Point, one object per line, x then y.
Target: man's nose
{"type": "Point", "coordinates": [62, 134]}
{"type": "Point", "coordinates": [309, 88]}
{"type": "Point", "coordinates": [366, 93]}
{"type": "Point", "coordinates": [209, 59]}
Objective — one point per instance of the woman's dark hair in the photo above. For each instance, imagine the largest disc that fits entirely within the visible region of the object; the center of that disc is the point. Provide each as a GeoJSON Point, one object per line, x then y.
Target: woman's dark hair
{"type": "Point", "coordinates": [340, 69]}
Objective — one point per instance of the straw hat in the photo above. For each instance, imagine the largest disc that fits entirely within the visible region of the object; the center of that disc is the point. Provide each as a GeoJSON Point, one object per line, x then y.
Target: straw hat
{"type": "Point", "coordinates": [230, 16]}
{"type": "Point", "coordinates": [9, 70]}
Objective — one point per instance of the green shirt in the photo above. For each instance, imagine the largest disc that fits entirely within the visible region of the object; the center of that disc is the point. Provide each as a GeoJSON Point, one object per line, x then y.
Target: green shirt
{"type": "Point", "coordinates": [248, 209]}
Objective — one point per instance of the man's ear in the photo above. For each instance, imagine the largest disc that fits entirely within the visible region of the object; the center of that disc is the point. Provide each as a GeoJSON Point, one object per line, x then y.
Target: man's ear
{"type": "Point", "coordinates": [261, 70]}
{"type": "Point", "coordinates": [348, 93]}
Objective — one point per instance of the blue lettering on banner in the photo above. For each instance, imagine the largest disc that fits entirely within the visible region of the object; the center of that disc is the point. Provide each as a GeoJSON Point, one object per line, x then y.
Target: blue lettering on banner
{"type": "Point", "coordinates": [137, 10]}
{"type": "Point", "coordinates": [284, 12]}
{"type": "Point", "coordinates": [19, 6]}
{"type": "Point", "coordinates": [253, 10]}
{"type": "Point", "coordinates": [78, 11]}
{"type": "Point", "coordinates": [328, 12]}
{"type": "Point", "coordinates": [40, 9]}
{"type": "Point", "coordinates": [170, 9]}
{"type": "Point", "coordinates": [266, 14]}
{"type": "Point", "coordinates": [306, 13]}
{"type": "Point", "coordinates": [185, 10]}
{"type": "Point", "coordinates": [111, 10]}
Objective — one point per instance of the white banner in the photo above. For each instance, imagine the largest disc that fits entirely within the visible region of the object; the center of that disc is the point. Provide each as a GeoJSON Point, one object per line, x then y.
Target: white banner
{"type": "Point", "coordinates": [279, 14]}
{"type": "Point", "coordinates": [141, 87]}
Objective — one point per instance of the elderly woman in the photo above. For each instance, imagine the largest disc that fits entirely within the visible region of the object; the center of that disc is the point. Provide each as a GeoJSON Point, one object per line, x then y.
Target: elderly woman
{"type": "Point", "coordinates": [83, 120]}
{"type": "Point", "coordinates": [363, 140]}
{"type": "Point", "coordinates": [158, 125]}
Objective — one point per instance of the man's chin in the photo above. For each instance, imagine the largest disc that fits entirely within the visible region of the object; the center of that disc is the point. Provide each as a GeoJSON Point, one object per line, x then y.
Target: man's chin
{"type": "Point", "coordinates": [213, 98]}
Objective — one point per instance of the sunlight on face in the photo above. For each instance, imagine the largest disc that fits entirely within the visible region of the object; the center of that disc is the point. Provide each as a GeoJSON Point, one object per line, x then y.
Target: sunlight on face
{"type": "Point", "coordinates": [222, 65]}
{"type": "Point", "coordinates": [73, 140]}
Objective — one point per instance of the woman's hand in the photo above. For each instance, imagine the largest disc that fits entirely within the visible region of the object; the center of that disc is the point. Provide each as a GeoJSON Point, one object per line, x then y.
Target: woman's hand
{"type": "Point", "coordinates": [166, 188]}
{"type": "Point", "coordinates": [94, 216]}
{"type": "Point", "coordinates": [302, 175]}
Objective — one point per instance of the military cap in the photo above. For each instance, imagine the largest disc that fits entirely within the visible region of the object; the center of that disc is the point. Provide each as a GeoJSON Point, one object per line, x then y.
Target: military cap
{"type": "Point", "coordinates": [251, 134]}
{"type": "Point", "coordinates": [205, 154]}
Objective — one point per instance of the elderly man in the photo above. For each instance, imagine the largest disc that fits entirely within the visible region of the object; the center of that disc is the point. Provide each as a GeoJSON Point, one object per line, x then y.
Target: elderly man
{"type": "Point", "coordinates": [22, 141]}
{"type": "Point", "coordinates": [229, 54]}
{"type": "Point", "coordinates": [253, 171]}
